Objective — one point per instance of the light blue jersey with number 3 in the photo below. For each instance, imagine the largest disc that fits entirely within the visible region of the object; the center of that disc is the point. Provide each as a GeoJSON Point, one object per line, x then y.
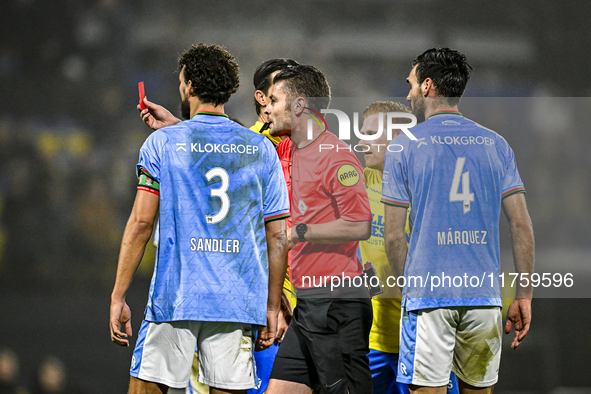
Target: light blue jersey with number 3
{"type": "Point", "coordinates": [454, 177]}
{"type": "Point", "coordinates": [219, 184]}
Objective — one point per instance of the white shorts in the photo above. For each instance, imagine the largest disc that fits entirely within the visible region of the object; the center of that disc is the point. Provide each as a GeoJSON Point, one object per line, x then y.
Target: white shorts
{"type": "Point", "coordinates": [164, 354]}
{"type": "Point", "coordinates": [464, 339]}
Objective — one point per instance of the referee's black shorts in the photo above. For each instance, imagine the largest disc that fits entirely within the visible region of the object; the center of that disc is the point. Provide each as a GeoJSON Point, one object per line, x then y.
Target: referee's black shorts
{"type": "Point", "coordinates": [326, 345]}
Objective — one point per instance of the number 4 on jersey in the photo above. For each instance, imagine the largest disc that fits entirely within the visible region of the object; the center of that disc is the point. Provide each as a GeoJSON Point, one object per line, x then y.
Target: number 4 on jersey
{"type": "Point", "coordinates": [465, 196]}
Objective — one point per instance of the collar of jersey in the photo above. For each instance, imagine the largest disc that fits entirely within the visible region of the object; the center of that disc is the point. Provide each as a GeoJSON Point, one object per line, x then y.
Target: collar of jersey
{"type": "Point", "coordinates": [444, 113]}
{"type": "Point", "coordinates": [210, 113]}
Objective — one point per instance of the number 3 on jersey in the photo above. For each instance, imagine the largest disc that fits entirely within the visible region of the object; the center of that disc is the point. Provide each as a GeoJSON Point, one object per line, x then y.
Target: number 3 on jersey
{"type": "Point", "coordinates": [219, 193]}
{"type": "Point", "coordinates": [465, 196]}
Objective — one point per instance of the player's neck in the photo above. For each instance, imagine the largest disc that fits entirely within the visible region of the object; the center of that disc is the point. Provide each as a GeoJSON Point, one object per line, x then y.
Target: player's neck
{"type": "Point", "coordinates": [433, 106]}
{"type": "Point", "coordinates": [198, 106]}
{"type": "Point", "coordinates": [299, 134]}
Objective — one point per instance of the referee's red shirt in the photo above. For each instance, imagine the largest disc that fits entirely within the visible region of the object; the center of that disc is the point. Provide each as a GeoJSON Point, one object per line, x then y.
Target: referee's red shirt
{"type": "Point", "coordinates": [327, 184]}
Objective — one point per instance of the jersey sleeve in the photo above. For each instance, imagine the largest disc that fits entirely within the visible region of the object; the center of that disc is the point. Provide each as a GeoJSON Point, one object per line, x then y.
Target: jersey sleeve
{"type": "Point", "coordinates": [150, 156]}
{"type": "Point", "coordinates": [395, 180]}
{"type": "Point", "coordinates": [345, 183]}
{"type": "Point", "coordinates": [276, 198]}
{"type": "Point", "coordinates": [512, 183]}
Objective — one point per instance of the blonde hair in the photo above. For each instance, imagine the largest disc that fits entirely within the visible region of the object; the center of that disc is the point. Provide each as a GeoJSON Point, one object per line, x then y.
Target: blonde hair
{"type": "Point", "coordinates": [384, 107]}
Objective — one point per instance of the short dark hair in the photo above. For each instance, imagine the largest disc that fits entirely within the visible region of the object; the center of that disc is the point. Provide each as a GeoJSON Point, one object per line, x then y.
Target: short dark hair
{"type": "Point", "coordinates": [305, 81]}
{"type": "Point", "coordinates": [213, 72]}
{"type": "Point", "coordinates": [262, 76]}
{"type": "Point", "coordinates": [448, 69]}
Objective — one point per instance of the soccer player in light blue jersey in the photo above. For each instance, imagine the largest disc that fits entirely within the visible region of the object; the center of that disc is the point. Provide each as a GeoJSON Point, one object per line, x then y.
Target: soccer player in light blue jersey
{"type": "Point", "coordinates": [456, 177]}
{"type": "Point", "coordinates": [156, 116]}
{"type": "Point", "coordinates": [222, 249]}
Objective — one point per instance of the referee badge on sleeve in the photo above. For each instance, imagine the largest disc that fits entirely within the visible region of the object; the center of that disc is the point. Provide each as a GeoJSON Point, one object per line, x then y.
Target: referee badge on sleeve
{"type": "Point", "coordinates": [348, 175]}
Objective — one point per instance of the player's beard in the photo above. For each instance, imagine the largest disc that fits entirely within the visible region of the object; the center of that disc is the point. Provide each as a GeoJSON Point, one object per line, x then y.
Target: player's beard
{"type": "Point", "coordinates": [417, 106]}
{"type": "Point", "coordinates": [281, 127]}
{"type": "Point", "coordinates": [185, 109]}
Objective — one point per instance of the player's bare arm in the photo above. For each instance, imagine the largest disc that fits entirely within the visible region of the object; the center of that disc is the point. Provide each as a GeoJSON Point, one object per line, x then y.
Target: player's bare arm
{"type": "Point", "coordinates": [395, 237]}
{"type": "Point", "coordinates": [156, 116]}
{"type": "Point", "coordinates": [335, 232]}
{"type": "Point", "coordinates": [523, 245]}
{"type": "Point", "coordinates": [136, 236]}
{"type": "Point", "coordinates": [277, 247]}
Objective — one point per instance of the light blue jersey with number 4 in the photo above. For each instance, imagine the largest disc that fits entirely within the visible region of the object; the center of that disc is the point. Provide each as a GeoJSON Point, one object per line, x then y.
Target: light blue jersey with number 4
{"type": "Point", "coordinates": [454, 177]}
{"type": "Point", "coordinates": [219, 184]}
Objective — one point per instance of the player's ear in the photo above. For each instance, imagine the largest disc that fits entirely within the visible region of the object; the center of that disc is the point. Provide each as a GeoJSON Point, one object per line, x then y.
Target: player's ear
{"type": "Point", "coordinates": [427, 87]}
{"type": "Point", "coordinates": [260, 97]}
{"type": "Point", "coordinates": [190, 87]}
{"type": "Point", "coordinates": [299, 104]}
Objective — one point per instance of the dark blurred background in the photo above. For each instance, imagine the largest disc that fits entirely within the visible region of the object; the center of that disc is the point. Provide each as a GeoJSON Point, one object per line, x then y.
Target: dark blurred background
{"type": "Point", "coordinates": [70, 135]}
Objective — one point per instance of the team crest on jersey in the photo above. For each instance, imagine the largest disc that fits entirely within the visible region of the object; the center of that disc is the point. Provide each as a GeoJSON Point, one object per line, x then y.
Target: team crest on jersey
{"type": "Point", "coordinates": [450, 123]}
{"type": "Point", "coordinates": [302, 207]}
{"type": "Point", "coordinates": [347, 175]}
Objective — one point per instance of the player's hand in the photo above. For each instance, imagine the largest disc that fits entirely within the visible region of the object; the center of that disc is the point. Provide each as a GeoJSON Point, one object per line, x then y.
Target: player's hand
{"type": "Point", "coordinates": [156, 116]}
{"type": "Point", "coordinates": [120, 315]}
{"type": "Point", "coordinates": [519, 316]}
{"type": "Point", "coordinates": [267, 335]}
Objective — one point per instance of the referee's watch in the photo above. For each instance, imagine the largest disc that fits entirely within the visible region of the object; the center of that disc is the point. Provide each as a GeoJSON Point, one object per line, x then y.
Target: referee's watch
{"type": "Point", "coordinates": [301, 231]}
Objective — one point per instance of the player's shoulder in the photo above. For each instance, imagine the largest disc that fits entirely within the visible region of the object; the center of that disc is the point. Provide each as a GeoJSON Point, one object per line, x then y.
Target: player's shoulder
{"type": "Point", "coordinates": [329, 137]}
{"type": "Point", "coordinates": [257, 127]}
{"type": "Point", "coordinates": [168, 131]}
{"type": "Point", "coordinates": [499, 141]}
{"type": "Point", "coordinates": [157, 138]}
{"type": "Point", "coordinates": [340, 151]}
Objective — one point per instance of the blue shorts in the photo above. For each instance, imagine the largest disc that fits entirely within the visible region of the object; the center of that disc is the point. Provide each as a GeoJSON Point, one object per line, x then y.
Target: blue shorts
{"type": "Point", "coordinates": [384, 368]}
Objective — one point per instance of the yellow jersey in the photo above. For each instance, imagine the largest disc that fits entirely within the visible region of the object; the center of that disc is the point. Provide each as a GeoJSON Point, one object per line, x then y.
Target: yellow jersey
{"type": "Point", "coordinates": [257, 129]}
{"type": "Point", "coordinates": [385, 331]}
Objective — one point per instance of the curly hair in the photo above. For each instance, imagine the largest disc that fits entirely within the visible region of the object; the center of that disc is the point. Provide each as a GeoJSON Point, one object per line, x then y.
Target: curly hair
{"type": "Point", "coordinates": [212, 71]}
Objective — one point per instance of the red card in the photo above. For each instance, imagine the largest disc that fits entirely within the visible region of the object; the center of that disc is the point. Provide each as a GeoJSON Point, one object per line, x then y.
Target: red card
{"type": "Point", "coordinates": [140, 86]}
